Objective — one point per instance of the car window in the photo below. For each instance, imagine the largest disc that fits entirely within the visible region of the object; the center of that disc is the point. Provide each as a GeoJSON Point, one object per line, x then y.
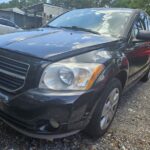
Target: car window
{"type": "Point", "coordinates": [141, 23]}
{"type": "Point", "coordinates": [7, 23]}
{"type": "Point", "coordinates": [149, 23]}
{"type": "Point", "coordinates": [145, 20]}
{"type": "Point", "coordinates": [138, 25]}
{"type": "Point", "coordinates": [107, 22]}
{"type": "Point", "coordinates": [3, 22]}
{"type": "Point", "coordinates": [10, 24]}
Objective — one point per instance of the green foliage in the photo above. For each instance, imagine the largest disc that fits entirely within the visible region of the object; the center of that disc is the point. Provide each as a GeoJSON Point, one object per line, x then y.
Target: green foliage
{"type": "Point", "coordinates": [82, 3]}
{"type": "Point", "coordinates": [67, 3]}
{"type": "Point", "coordinates": [140, 4]}
{"type": "Point", "coordinates": [20, 3]}
{"type": "Point", "coordinates": [13, 3]}
{"type": "Point", "coordinates": [137, 4]}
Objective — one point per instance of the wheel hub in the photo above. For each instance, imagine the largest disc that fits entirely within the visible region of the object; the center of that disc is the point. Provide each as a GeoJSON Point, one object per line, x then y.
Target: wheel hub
{"type": "Point", "coordinates": [109, 108]}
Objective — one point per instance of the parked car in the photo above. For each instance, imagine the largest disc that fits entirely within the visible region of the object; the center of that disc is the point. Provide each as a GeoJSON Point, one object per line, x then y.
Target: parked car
{"type": "Point", "coordinates": [69, 75]}
{"type": "Point", "coordinates": [7, 26]}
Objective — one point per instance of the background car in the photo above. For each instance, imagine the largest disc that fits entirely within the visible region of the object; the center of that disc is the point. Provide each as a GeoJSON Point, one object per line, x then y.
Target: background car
{"type": "Point", "coordinates": [7, 26]}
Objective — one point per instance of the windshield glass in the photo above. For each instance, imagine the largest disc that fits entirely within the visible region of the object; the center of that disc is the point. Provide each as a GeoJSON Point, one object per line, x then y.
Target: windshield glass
{"type": "Point", "coordinates": [109, 22]}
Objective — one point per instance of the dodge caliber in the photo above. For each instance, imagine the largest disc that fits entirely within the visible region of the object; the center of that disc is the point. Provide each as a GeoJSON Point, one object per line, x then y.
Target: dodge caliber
{"type": "Point", "coordinates": [69, 75]}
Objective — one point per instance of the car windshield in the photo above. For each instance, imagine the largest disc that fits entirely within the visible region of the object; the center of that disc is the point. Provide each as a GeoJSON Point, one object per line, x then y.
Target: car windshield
{"type": "Point", "coordinates": [108, 22]}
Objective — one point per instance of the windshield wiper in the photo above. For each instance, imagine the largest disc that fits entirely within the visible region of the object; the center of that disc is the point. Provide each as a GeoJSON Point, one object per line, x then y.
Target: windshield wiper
{"type": "Point", "coordinates": [80, 29]}
{"type": "Point", "coordinates": [48, 26]}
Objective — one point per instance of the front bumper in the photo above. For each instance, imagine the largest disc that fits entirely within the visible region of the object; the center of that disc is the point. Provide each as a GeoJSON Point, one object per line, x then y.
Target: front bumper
{"type": "Point", "coordinates": [36, 134]}
{"type": "Point", "coordinates": [31, 112]}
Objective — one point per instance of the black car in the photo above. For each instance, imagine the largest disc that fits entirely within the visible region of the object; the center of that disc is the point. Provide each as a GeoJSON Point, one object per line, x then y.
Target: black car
{"type": "Point", "coordinates": [69, 75]}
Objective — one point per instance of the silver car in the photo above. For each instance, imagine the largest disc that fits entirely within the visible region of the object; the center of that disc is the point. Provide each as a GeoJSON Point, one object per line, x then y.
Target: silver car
{"type": "Point", "coordinates": [7, 26]}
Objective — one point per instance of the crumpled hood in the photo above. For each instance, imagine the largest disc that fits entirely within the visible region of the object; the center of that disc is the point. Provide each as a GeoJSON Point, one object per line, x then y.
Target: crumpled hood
{"type": "Point", "coordinates": [47, 42]}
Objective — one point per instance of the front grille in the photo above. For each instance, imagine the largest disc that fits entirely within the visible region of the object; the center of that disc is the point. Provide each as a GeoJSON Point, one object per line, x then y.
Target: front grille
{"type": "Point", "coordinates": [12, 74]}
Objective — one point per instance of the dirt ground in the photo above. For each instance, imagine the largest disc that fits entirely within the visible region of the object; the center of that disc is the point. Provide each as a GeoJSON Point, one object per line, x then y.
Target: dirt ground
{"type": "Point", "coordinates": [129, 131]}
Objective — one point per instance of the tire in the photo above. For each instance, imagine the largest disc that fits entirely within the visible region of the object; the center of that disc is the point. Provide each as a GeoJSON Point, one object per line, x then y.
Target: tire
{"type": "Point", "coordinates": [146, 77]}
{"type": "Point", "coordinates": [95, 129]}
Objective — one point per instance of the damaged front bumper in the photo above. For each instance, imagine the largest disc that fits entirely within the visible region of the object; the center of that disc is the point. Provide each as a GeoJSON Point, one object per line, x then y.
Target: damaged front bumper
{"type": "Point", "coordinates": [47, 114]}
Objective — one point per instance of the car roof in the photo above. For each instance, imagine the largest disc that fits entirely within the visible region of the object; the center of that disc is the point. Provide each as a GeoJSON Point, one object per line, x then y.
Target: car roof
{"type": "Point", "coordinates": [115, 9]}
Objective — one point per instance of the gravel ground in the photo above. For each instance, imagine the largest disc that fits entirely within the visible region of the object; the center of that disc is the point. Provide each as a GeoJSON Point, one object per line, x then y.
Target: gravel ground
{"type": "Point", "coordinates": [129, 131]}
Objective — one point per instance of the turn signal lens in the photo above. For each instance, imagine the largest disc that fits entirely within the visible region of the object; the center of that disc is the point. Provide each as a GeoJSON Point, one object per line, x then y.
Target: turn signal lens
{"type": "Point", "coordinates": [94, 76]}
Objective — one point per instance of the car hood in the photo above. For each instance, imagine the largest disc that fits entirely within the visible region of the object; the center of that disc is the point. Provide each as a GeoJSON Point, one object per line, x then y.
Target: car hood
{"type": "Point", "coordinates": [48, 42]}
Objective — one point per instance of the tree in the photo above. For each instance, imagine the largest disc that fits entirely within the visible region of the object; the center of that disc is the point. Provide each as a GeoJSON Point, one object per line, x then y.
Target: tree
{"type": "Point", "coordinates": [138, 4]}
{"type": "Point", "coordinates": [20, 3]}
{"type": "Point", "coordinates": [82, 3]}
{"type": "Point", "coordinates": [13, 3]}
{"type": "Point", "coordinates": [142, 4]}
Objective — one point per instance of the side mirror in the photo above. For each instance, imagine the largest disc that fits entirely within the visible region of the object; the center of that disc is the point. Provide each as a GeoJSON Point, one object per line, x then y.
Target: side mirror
{"type": "Point", "coordinates": [143, 35]}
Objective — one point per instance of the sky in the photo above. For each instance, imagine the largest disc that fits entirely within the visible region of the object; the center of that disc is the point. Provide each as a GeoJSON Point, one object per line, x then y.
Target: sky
{"type": "Point", "coordinates": [1, 1]}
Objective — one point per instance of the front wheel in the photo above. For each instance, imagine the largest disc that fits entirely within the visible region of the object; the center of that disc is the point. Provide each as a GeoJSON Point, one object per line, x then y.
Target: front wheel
{"type": "Point", "coordinates": [105, 110]}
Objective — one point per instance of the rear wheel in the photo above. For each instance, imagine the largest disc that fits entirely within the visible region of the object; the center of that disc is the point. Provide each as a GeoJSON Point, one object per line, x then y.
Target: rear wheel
{"type": "Point", "coordinates": [106, 109]}
{"type": "Point", "coordinates": [146, 77]}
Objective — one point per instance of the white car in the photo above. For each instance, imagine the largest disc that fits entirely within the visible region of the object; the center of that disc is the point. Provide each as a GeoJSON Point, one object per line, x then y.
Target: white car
{"type": "Point", "coordinates": [7, 26]}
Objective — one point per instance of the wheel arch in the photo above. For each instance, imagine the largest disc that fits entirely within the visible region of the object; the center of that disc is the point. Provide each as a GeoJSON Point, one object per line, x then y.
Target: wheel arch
{"type": "Point", "coordinates": [123, 77]}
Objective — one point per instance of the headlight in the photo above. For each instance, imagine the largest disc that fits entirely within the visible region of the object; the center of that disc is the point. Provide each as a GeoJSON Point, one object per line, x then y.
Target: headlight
{"type": "Point", "coordinates": [70, 76]}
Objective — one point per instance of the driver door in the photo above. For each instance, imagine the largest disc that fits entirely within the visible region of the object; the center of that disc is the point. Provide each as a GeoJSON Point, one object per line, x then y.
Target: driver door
{"type": "Point", "coordinates": [137, 51]}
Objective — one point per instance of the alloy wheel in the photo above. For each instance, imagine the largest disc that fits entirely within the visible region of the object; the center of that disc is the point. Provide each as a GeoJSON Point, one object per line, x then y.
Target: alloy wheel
{"type": "Point", "coordinates": [109, 108]}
